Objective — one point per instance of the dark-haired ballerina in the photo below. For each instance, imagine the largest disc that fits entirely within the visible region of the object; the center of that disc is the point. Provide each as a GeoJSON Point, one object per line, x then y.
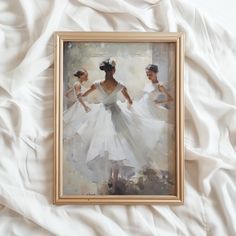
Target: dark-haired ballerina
{"type": "Point", "coordinates": [155, 96]}
{"type": "Point", "coordinates": [151, 72]}
{"type": "Point", "coordinates": [150, 106]}
{"type": "Point", "coordinates": [109, 89]}
{"type": "Point", "coordinates": [77, 88]}
{"type": "Point", "coordinates": [72, 116]}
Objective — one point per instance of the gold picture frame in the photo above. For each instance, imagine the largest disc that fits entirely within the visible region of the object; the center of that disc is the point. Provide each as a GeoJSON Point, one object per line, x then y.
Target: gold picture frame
{"type": "Point", "coordinates": [88, 41]}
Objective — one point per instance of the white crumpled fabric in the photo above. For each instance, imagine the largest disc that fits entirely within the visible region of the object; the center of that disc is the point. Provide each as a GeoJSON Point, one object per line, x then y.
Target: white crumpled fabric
{"type": "Point", "coordinates": [26, 117]}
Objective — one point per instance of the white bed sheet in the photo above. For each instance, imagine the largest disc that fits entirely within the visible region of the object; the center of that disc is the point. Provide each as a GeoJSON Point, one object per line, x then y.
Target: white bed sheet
{"type": "Point", "coordinates": [26, 117]}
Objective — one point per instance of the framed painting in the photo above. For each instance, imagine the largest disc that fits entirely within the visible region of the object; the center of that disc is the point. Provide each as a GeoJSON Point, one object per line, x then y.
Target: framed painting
{"type": "Point", "coordinates": [119, 118]}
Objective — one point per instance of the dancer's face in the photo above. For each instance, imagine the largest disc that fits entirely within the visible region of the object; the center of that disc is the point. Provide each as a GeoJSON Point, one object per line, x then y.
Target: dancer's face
{"type": "Point", "coordinates": [111, 73]}
{"type": "Point", "coordinates": [152, 76]}
{"type": "Point", "coordinates": [84, 77]}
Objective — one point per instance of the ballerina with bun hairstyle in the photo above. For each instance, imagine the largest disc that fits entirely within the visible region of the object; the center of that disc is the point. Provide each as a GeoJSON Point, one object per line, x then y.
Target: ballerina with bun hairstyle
{"type": "Point", "coordinates": [109, 83]}
{"type": "Point", "coordinates": [151, 72]}
{"type": "Point", "coordinates": [152, 105]}
{"type": "Point", "coordinates": [155, 97]}
{"type": "Point", "coordinates": [112, 148]}
{"type": "Point", "coordinates": [72, 117]}
{"type": "Point", "coordinates": [77, 87]}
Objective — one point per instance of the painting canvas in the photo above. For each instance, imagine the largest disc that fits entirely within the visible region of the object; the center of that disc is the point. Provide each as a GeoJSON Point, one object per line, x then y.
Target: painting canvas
{"type": "Point", "coordinates": [119, 120]}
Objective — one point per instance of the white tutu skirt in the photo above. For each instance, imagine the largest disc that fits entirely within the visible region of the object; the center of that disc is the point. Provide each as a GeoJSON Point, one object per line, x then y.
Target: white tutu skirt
{"type": "Point", "coordinates": [74, 117]}
{"type": "Point", "coordinates": [145, 107]}
{"type": "Point", "coordinates": [165, 148]}
{"type": "Point", "coordinates": [109, 136]}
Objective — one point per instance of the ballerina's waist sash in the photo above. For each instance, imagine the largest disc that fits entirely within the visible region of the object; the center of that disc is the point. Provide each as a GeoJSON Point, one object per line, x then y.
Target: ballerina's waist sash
{"type": "Point", "coordinates": [110, 106]}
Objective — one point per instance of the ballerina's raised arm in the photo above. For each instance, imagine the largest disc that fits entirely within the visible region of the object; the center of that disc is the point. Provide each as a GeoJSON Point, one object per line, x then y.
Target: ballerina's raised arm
{"type": "Point", "coordinates": [162, 89]}
{"type": "Point", "coordinates": [91, 89]}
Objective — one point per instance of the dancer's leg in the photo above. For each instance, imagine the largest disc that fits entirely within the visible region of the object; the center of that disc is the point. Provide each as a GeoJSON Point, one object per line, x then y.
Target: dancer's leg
{"type": "Point", "coordinates": [115, 178]}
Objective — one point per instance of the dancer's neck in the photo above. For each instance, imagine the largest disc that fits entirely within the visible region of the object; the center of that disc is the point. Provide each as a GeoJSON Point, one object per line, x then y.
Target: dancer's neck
{"type": "Point", "coordinates": [156, 81]}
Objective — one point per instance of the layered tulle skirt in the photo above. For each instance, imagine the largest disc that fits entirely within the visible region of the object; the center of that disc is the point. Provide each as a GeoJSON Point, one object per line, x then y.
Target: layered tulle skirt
{"type": "Point", "coordinates": [110, 136]}
{"type": "Point", "coordinates": [164, 151]}
{"type": "Point", "coordinates": [147, 108]}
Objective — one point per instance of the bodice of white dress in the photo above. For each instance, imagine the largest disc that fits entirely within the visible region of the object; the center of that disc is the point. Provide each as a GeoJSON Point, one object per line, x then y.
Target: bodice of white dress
{"type": "Point", "coordinates": [108, 98]}
{"type": "Point", "coordinates": [75, 114]}
{"type": "Point", "coordinates": [72, 95]}
{"type": "Point", "coordinates": [82, 89]}
{"type": "Point", "coordinates": [147, 106]}
{"type": "Point", "coordinates": [152, 92]}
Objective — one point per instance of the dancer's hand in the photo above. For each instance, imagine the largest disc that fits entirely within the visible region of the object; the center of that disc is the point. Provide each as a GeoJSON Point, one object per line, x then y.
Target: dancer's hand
{"type": "Point", "coordinates": [161, 102]}
{"type": "Point", "coordinates": [87, 109]}
{"type": "Point", "coordinates": [129, 105]}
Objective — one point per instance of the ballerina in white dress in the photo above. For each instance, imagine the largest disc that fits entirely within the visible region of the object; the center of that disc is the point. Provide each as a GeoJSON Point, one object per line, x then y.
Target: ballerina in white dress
{"type": "Point", "coordinates": [151, 105]}
{"type": "Point", "coordinates": [73, 119]}
{"type": "Point", "coordinates": [76, 113]}
{"type": "Point", "coordinates": [114, 141]}
{"type": "Point", "coordinates": [155, 96]}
